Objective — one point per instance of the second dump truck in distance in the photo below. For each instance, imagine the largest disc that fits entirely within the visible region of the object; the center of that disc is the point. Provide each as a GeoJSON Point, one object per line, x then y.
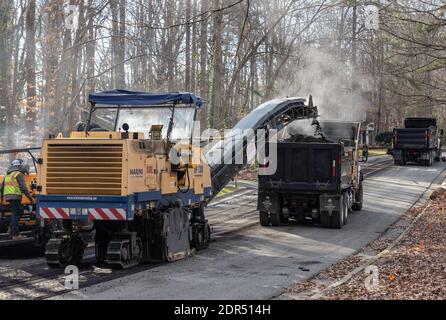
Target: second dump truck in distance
{"type": "Point", "coordinates": [419, 141]}
{"type": "Point", "coordinates": [315, 179]}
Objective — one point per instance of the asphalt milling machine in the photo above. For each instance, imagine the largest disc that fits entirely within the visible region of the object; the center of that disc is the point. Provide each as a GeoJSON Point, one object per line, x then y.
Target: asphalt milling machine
{"type": "Point", "coordinates": [122, 183]}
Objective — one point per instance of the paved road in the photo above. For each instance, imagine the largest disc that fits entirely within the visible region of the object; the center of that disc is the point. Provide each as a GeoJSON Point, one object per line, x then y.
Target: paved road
{"type": "Point", "coordinates": [257, 262]}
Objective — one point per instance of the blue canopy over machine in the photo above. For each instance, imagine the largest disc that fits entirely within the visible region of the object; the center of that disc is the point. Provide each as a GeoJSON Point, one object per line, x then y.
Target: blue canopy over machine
{"type": "Point", "coordinates": [122, 100]}
{"type": "Point", "coordinates": [120, 97]}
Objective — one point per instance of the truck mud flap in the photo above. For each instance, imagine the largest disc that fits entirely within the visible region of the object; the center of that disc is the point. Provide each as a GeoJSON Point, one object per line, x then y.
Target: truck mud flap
{"type": "Point", "coordinates": [328, 205]}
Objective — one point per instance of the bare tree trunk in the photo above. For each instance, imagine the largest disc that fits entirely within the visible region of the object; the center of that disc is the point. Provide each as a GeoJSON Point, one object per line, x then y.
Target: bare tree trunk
{"type": "Point", "coordinates": [188, 45]}
{"type": "Point", "coordinates": [62, 83]}
{"type": "Point", "coordinates": [194, 49]}
{"type": "Point", "coordinates": [5, 73]}
{"type": "Point", "coordinates": [114, 42]}
{"type": "Point", "coordinates": [52, 43]}
{"type": "Point", "coordinates": [118, 42]}
{"type": "Point", "coordinates": [354, 45]}
{"type": "Point", "coordinates": [74, 69]}
{"type": "Point", "coordinates": [30, 66]}
{"type": "Point", "coordinates": [90, 49]}
{"type": "Point", "coordinates": [379, 126]}
{"type": "Point", "coordinates": [203, 59]}
{"type": "Point", "coordinates": [215, 100]}
{"type": "Point", "coordinates": [18, 76]}
{"type": "Point", "coordinates": [120, 74]}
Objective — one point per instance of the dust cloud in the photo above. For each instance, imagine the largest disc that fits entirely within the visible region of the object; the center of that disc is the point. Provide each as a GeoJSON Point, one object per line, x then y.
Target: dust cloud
{"type": "Point", "coordinates": [322, 73]}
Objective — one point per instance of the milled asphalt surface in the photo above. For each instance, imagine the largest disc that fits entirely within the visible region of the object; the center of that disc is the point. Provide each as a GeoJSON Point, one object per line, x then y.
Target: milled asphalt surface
{"type": "Point", "coordinates": [258, 262]}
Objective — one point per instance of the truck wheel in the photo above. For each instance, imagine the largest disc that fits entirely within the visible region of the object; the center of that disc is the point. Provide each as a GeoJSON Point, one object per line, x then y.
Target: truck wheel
{"type": "Point", "coordinates": [428, 162]}
{"type": "Point", "coordinates": [346, 211]}
{"type": "Point", "coordinates": [264, 219]}
{"type": "Point", "coordinates": [337, 217]}
{"type": "Point", "coordinates": [359, 198]}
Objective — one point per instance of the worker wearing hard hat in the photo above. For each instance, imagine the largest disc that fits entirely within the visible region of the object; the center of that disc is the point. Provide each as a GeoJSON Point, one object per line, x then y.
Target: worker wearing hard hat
{"type": "Point", "coordinates": [13, 188]}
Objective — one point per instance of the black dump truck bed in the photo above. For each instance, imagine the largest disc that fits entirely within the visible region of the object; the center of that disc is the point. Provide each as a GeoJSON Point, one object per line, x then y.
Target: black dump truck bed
{"type": "Point", "coordinates": [316, 178]}
{"type": "Point", "coordinates": [420, 122]}
{"type": "Point", "coordinates": [305, 167]}
{"type": "Point", "coordinates": [419, 141]}
{"type": "Point", "coordinates": [414, 138]}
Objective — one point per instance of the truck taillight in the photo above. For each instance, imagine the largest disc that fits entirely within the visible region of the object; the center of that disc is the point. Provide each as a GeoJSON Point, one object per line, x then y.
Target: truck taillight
{"type": "Point", "coordinates": [334, 168]}
{"type": "Point", "coordinates": [427, 136]}
{"type": "Point", "coordinates": [394, 137]}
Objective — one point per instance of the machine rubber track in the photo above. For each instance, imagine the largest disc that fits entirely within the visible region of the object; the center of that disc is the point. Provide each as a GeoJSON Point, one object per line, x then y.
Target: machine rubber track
{"type": "Point", "coordinates": [63, 251]}
{"type": "Point", "coordinates": [119, 255]}
{"type": "Point", "coordinates": [52, 253]}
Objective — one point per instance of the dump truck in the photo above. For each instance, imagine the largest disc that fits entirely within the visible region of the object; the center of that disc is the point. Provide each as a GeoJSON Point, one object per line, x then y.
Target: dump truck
{"type": "Point", "coordinates": [34, 231]}
{"type": "Point", "coordinates": [419, 141]}
{"type": "Point", "coordinates": [316, 178]}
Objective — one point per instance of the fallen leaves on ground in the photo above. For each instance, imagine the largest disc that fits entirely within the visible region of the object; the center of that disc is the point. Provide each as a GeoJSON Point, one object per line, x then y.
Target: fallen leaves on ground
{"type": "Point", "coordinates": [414, 269]}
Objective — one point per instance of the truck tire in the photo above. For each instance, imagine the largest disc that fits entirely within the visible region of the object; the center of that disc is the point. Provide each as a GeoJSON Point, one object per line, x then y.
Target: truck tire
{"type": "Point", "coordinates": [345, 211]}
{"type": "Point", "coordinates": [264, 219]}
{"type": "Point", "coordinates": [429, 161]}
{"type": "Point", "coordinates": [359, 198]}
{"type": "Point", "coordinates": [337, 217]}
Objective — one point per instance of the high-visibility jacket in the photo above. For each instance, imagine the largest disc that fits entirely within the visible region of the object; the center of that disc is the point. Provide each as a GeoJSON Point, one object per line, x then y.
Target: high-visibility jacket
{"type": "Point", "coordinates": [12, 185]}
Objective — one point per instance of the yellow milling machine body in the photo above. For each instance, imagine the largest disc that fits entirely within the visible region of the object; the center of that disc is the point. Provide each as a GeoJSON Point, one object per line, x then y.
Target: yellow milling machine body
{"type": "Point", "coordinates": [104, 164]}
